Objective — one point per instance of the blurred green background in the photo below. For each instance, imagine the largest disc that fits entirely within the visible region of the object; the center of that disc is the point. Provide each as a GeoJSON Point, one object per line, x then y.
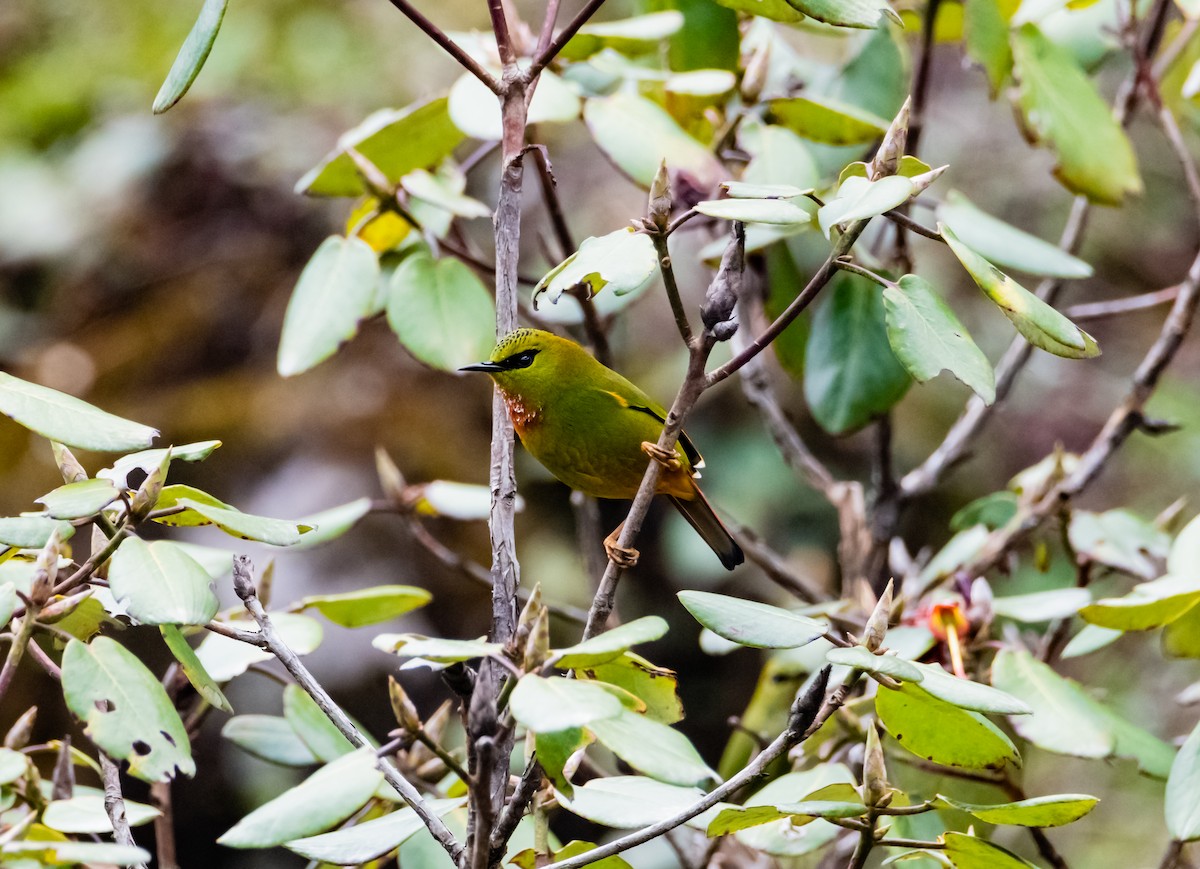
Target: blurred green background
{"type": "Point", "coordinates": [145, 263]}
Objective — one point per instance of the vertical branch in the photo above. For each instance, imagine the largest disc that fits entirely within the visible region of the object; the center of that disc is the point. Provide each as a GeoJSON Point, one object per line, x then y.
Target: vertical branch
{"type": "Point", "coordinates": [114, 804]}
{"type": "Point", "coordinates": [164, 825]}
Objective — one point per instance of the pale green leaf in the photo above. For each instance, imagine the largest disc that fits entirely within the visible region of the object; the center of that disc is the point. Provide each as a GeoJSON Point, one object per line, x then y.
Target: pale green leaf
{"type": "Point", "coordinates": [1092, 638]}
{"type": "Point", "coordinates": [367, 606]}
{"type": "Point", "coordinates": [1120, 539]}
{"type": "Point", "coordinates": [396, 141]}
{"type": "Point", "coordinates": [940, 732]}
{"type": "Point", "coordinates": [435, 648]}
{"type": "Point", "coordinates": [653, 749]}
{"type": "Point", "coordinates": [625, 802]}
{"type": "Point", "coordinates": [986, 29]}
{"type": "Point", "coordinates": [192, 54]}
{"type": "Point", "coordinates": [743, 818]}
{"type": "Point", "coordinates": [851, 374]}
{"type": "Point", "coordinates": [783, 838]}
{"type": "Point", "coordinates": [85, 813]}
{"type": "Point", "coordinates": [749, 190]}
{"type": "Point", "coordinates": [1149, 605]}
{"type": "Point", "coordinates": [657, 687]}
{"type": "Point", "coordinates": [624, 261]}
{"type": "Point", "coordinates": [475, 110]}
{"type": "Point", "coordinates": [780, 212]}
{"type": "Point", "coordinates": [32, 532]}
{"type": "Point", "coordinates": [611, 644]}
{"type": "Point", "coordinates": [824, 120]}
{"type": "Point", "coordinates": [630, 36]}
{"type": "Point", "coordinates": [970, 852]}
{"type": "Point", "coordinates": [63, 418]}
{"type": "Point", "coordinates": [1049, 811]}
{"type": "Point", "coordinates": [204, 684]}
{"type": "Point", "coordinates": [775, 10]}
{"type": "Point", "coordinates": [1184, 557]}
{"type": "Point", "coordinates": [967, 694]}
{"type": "Point", "coordinates": [463, 501]}
{"type": "Point", "coordinates": [368, 840]}
{"type": "Point", "coordinates": [549, 704]}
{"type": "Point", "coordinates": [276, 532]}
{"type": "Point", "coordinates": [78, 500]}
{"type": "Point", "coordinates": [637, 135]}
{"type": "Point", "coordinates": [848, 13]}
{"type": "Point", "coordinates": [225, 658]}
{"type": "Point", "coordinates": [49, 852]}
{"type": "Point", "coordinates": [13, 765]}
{"type": "Point", "coordinates": [269, 738]}
{"type": "Point", "coordinates": [149, 460]}
{"type": "Point", "coordinates": [1060, 107]}
{"type": "Point", "coordinates": [335, 293]}
{"type": "Point", "coordinates": [864, 659]}
{"type": "Point", "coordinates": [927, 337]}
{"type": "Point", "coordinates": [858, 198]}
{"type": "Point", "coordinates": [313, 726]}
{"type": "Point", "coordinates": [1042, 606]}
{"type": "Point", "coordinates": [437, 191]}
{"type": "Point", "coordinates": [1183, 791]}
{"type": "Point", "coordinates": [160, 584]}
{"type": "Point", "coordinates": [992, 511]}
{"type": "Point", "coordinates": [1037, 322]}
{"type": "Point", "coordinates": [332, 523]}
{"type": "Point", "coordinates": [1180, 638]}
{"type": "Point", "coordinates": [441, 312]}
{"type": "Point", "coordinates": [1004, 244]}
{"type": "Point", "coordinates": [749, 623]}
{"type": "Point", "coordinates": [125, 710]}
{"type": "Point", "coordinates": [323, 800]}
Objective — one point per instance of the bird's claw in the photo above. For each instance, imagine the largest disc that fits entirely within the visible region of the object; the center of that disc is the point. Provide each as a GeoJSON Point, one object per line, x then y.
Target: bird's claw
{"type": "Point", "coordinates": [622, 556]}
{"type": "Point", "coordinates": [666, 458]}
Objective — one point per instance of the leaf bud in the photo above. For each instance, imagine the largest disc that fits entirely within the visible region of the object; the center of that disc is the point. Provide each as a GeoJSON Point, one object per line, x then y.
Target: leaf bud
{"type": "Point", "coordinates": [877, 624]}
{"type": "Point", "coordinates": [146, 497]}
{"type": "Point", "coordinates": [18, 735]}
{"type": "Point", "coordinates": [887, 159]}
{"type": "Point", "coordinates": [390, 478]}
{"type": "Point", "coordinates": [875, 784]}
{"type": "Point", "coordinates": [72, 471]}
{"type": "Point", "coordinates": [537, 647]}
{"type": "Point", "coordinates": [63, 606]}
{"type": "Point", "coordinates": [718, 312]}
{"type": "Point", "coordinates": [755, 76]}
{"type": "Point", "coordinates": [661, 198]}
{"type": "Point", "coordinates": [403, 707]}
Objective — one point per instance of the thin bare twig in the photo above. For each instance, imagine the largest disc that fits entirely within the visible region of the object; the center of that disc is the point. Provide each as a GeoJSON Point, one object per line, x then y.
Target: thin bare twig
{"type": "Point", "coordinates": [451, 47]}
{"type": "Point", "coordinates": [773, 565]}
{"type": "Point", "coordinates": [556, 45]}
{"type": "Point", "coordinates": [663, 252]}
{"type": "Point", "coordinates": [164, 826]}
{"type": "Point", "coordinates": [243, 585]}
{"type": "Point", "coordinates": [1117, 307]}
{"type": "Point", "coordinates": [114, 804]}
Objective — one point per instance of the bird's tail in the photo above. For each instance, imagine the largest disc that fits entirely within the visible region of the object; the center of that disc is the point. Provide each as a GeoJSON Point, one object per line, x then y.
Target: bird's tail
{"type": "Point", "coordinates": [700, 516]}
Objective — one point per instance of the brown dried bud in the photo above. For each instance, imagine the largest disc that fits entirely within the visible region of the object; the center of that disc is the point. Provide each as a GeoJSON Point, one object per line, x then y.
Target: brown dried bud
{"type": "Point", "coordinates": [891, 149]}
{"type": "Point", "coordinates": [18, 735]}
{"type": "Point", "coordinates": [403, 707]}
{"type": "Point", "coordinates": [537, 647]}
{"type": "Point", "coordinates": [718, 312]}
{"type": "Point", "coordinates": [46, 571]}
{"type": "Point", "coordinates": [875, 784]}
{"type": "Point", "coordinates": [661, 198]}
{"type": "Point", "coordinates": [72, 471]}
{"type": "Point", "coordinates": [146, 497]}
{"type": "Point", "coordinates": [390, 478]}
{"type": "Point", "coordinates": [877, 624]}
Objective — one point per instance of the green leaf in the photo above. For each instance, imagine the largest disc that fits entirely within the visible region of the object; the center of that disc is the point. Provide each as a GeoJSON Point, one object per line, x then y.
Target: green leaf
{"type": "Point", "coordinates": [85, 813]}
{"type": "Point", "coordinates": [1183, 791]}
{"type": "Point", "coordinates": [66, 853]}
{"type": "Point", "coordinates": [986, 26]}
{"type": "Point", "coordinates": [657, 687]}
{"type": "Point", "coordinates": [864, 659]}
{"type": "Point", "coordinates": [66, 419]}
{"type": "Point", "coordinates": [782, 838]}
{"type": "Point", "coordinates": [32, 532]}
{"type": "Point", "coordinates": [1039, 323]}
{"type": "Point", "coordinates": [269, 738]}
{"type": "Point", "coordinates": [748, 190]}
{"type": "Point", "coordinates": [204, 684]}
{"type": "Point", "coordinates": [1042, 606]}
{"type": "Point", "coordinates": [396, 141]}
{"type": "Point", "coordinates": [171, 495]}
{"type": "Point", "coordinates": [149, 460]}
{"type": "Point", "coordinates": [927, 337]}
{"type": "Point", "coordinates": [967, 694]}
{"type": "Point", "coordinates": [624, 802]}
{"type": "Point", "coordinates": [225, 658]}
{"type": "Point", "coordinates": [313, 726]}
{"type": "Point", "coordinates": [326, 798]}
{"type": "Point", "coordinates": [829, 121]}
{"type": "Point", "coordinates": [13, 765]}
{"type": "Point", "coordinates": [1152, 755]}
{"type": "Point", "coordinates": [160, 584]}
{"type": "Point", "coordinates": [1092, 638]}
{"type": "Point", "coordinates": [623, 260]}
{"type": "Point", "coordinates": [859, 198]}
{"type": "Point", "coordinates": [611, 644]}
{"type": "Point", "coordinates": [749, 623]}
{"type": "Point", "coordinates": [438, 191]}
{"type": "Point", "coordinates": [435, 648]}
{"type": "Point", "coordinates": [971, 852]}
{"type": "Point", "coordinates": [192, 54]}
{"type": "Point", "coordinates": [775, 10]}
{"type": "Point", "coordinates": [1059, 107]}
{"type": "Point", "coordinates": [1064, 718]}
{"type": "Point", "coordinates": [1184, 557]}
{"type": "Point", "coordinates": [549, 704]}
{"type": "Point", "coordinates": [335, 293]}
{"type": "Point", "coordinates": [441, 312]}
{"type": "Point", "coordinates": [1149, 605]}
{"type": "Point", "coordinates": [847, 13]}
{"type": "Point", "coordinates": [1003, 243]}
{"type": "Point", "coordinates": [463, 501]}
{"type": "Point", "coordinates": [992, 511]}
{"type": "Point", "coordinates": [959, 549]}
{"type": "Point", "coordinates": [641, 34]}
{"type": "Point", "coordinates": [125, 710]}
{"type": "Point", "coordinates": [476, 111]}
{"type": "Point", "coordinates": [369, 840]}
{"type": "Point", "coordinates": [778, 157]}
{"type": "Point", "coordinates": [367, 606]}
{"type": "Point", "coordinates": [528, 858]}
{"type": "Point", "coordinates": [1180, 638]}
{"type": "Point", "coordinates": [781, 212]}
{"type": "Point", "coordinates": [654, 749]}
{"type": "Point", "coordinates": [276, 532]}
{"type": "Point", "coordinates": [937, 731]}
{"type": "Point", "coordinates": [555, 749]}
{"type": "Point", "coordinates": [1049, 811]}
{"type": "Point", "coordinates": [742, 818]}
{"type": "Point", "coordinates": [851, 374]}
{"type": "Point", "coordinates": [332, 523]}
{"type": "Point", "coordinates": [637, 135]}
{"type": "Point", "coordinates": [1121, 540]}
{"type": "Point", "coordinates": [77, 500]}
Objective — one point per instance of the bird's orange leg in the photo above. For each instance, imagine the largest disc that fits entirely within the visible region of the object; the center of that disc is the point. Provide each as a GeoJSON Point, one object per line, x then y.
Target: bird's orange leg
{"type": "Point", "coordinates": [621, 556]}
{"type": "Point", "coordinates": [667, 459]}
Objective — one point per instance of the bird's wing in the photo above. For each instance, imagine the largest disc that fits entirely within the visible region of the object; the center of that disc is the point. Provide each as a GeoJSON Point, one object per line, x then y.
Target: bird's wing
{"type": "Point", "coordinates": [689, 449]}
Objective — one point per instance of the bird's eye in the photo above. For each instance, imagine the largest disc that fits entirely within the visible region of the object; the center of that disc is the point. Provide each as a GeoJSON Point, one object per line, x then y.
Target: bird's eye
{"type": "Point", "coordinates": [520, 360]}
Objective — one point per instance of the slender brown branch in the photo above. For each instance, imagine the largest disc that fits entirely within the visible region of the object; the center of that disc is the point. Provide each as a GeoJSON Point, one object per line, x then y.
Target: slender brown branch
{"type": "Point", "coordinates": [450, 46]}
{"type": "Point", "coordinates": [514, 810]}
{"type": "Point", "coordinates": [1118, 307]}
{"type": "Point", "coordinates": [774, 566]}
{"type": "Point", "coordinates": [564, 36]}
{"type": "Point", "coordinates": [1171, 856]}
{"type": "Point", "coordinates": [243, 585]}
{"type": "Point", "coordinates": [164, 826]}
{"type": "Point", "coordinates": [548, 22]}
{"type": "Point", "coordinates": [114, 804]}
{"type": "Point", "coordinates": [665, 266]}
{"type": "Point", "coordinates": [16, 651]}
{"type": "Point", "coordinates": [504, 43]}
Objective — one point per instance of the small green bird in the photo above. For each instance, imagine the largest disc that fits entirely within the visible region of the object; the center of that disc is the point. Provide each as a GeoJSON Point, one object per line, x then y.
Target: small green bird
{"type": "Point", "coordinates": [593, 429]}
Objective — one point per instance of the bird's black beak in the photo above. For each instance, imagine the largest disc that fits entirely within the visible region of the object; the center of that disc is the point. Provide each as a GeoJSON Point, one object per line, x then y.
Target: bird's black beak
{"type": "Point", "coordinates": [486, 367]}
